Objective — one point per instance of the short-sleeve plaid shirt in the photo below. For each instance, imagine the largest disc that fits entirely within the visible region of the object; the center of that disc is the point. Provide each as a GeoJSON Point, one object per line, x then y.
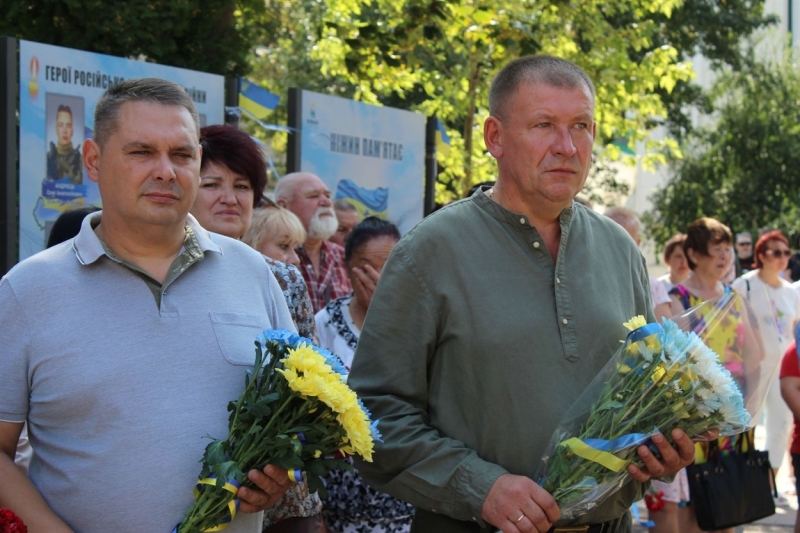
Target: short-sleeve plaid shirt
{"type": "Point", "coordinates": [332, 281]}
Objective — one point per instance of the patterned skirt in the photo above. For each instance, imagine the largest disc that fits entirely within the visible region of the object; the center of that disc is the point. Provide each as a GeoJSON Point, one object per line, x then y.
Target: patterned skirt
{"type": "Point", "coordinates": [352, 506]}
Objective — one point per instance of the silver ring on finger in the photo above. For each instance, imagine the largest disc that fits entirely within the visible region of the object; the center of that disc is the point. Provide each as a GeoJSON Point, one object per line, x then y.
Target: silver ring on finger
{"type": "Point", "coordinates": [520, 518]}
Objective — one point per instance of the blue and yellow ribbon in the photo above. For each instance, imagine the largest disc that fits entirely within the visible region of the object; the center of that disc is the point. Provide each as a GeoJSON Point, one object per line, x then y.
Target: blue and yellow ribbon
{"type": "Point", "coordinates": [645, 331]}
{"type": "Point", "coordinates": [296, 475]}
{"type": "Point", "coordinates": [585, 451]}
{"type": "Point", "coordinates": [231, 486]}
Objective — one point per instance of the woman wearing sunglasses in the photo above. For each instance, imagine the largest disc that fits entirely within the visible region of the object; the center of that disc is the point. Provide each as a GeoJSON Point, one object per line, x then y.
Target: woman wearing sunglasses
{"type": "Point", "coordinates": [777, 306]}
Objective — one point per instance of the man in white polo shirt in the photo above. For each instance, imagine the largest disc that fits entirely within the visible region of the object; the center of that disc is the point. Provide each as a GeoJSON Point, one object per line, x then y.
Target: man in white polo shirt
{"type": "Point", "coordinates": [122, 347]}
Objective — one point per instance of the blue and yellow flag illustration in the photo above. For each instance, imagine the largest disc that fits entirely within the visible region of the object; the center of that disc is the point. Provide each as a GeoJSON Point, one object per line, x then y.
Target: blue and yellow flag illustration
{"type": "Point", "coordinates": [368, 202]}
{"type": "Point", "coordinates": [255, 99]}
{"type": "Point", "coordinates": [442, 139]}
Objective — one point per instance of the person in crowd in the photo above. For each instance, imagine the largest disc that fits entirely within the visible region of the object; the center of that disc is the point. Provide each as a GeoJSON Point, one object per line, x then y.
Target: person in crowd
{"type": "Point", "coordinates": [792, 272]}
{"type": "Point", "coordinates": [493, 314]}
{"type": "Point", "coordinates": [745, 260]}
{"type": "Point", "coordinates": [233, 174]}
{"type": "Point", "coordinates": [321, 261]}
{"type": "Point", "coordinates": [352, 506]}
{"type": "Point", "coordinates": [708, 252]}
{"type": "Point", "coordinates": [790, 391]}
{"type": "Point", "coordinates": [277, 233]}
{"type": "Point", "coordinates": [159, 331]}
{"type": "Point", "coordinates": [673, 517]}
{"type": "Point", "coordinates": [630, 223]}
{"type": "Point", "coordinates": [68, 224]}
{"type": "Point", "coordinates": [777, 308]}
{"type": "Point", "coordinates": [675, 260]}
{"type": "Point", "coordinates": [64, 159]}
{"type": "Point", "coordinates": [347, 216]}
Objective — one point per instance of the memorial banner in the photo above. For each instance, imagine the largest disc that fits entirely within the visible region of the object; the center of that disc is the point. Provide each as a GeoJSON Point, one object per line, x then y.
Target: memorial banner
{"type": "Point", "coordinates": [59, 88]}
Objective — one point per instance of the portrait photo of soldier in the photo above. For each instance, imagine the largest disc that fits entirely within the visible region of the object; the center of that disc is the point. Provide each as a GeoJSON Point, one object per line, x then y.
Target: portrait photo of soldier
{"type": "Point", "coordinates": [64, 155]}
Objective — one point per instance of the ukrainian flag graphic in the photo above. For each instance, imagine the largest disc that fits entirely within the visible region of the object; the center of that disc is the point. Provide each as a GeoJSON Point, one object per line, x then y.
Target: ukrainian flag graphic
{"type": "Point", "coordinates": [368, 202]}
{"type": "Point", "coordinates": [442, 139]}
{"type": "Point", "coordinates": [255, 99]}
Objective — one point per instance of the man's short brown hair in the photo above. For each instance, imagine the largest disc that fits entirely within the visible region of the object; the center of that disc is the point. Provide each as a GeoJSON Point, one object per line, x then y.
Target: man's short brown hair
{"type": "Point", "coordinates": [153, 90]}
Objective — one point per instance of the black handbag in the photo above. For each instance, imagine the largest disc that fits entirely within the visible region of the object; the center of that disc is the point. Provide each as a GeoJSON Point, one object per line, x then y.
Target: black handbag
{"type": "Point", "coordinates": [733, 489]}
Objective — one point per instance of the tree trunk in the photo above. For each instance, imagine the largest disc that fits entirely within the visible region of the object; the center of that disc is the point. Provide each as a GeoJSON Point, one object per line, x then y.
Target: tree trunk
{"type": "Point", "coordinates": [469, 123]}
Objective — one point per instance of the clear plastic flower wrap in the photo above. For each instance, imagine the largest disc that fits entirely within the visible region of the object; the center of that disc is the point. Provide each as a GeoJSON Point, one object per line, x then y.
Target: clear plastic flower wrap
{"type": "Point", "coordinates": [703, 370]}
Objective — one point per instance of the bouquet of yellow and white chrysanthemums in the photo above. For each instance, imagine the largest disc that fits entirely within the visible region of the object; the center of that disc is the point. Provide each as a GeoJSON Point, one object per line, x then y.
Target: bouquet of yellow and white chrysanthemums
{"type": "Point", "coordinates": [296, 410]}
{"type": "Point", "coordinates": [661, 378]}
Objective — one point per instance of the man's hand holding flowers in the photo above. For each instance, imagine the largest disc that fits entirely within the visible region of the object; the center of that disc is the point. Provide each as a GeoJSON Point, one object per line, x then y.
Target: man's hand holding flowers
{"type": "Point", "coordinates": [272, 483]}
{"type": "Point", "coordinates": [673, 459]}
{"type": "Point", "coordinates": [515, 504]}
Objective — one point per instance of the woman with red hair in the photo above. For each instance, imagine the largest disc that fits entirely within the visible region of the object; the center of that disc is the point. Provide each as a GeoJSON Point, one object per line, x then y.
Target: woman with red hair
{"type": "Point", "coordinates": [777, 307]}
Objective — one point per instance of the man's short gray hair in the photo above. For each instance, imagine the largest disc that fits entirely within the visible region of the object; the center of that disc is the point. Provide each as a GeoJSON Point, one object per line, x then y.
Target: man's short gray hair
{"type": "Point", "coordinates": [153, 90]}
{"type": "Point", "coordinates": [549, 70]}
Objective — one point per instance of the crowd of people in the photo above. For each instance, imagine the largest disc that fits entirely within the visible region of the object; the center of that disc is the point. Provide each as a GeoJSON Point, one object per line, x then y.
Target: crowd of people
{"type": "Point", "coordinates": [468, 338]}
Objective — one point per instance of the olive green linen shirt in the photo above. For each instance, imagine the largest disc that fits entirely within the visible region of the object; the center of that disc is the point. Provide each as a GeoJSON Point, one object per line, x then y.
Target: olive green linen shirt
{"type": "Point", "coordinates": [475, 345]}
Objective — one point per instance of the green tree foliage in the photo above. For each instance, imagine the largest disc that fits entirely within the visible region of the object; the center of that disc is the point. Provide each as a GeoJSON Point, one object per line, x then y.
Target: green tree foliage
{"type": "Point", "coordinates": [208, 35]}
{"type": "Point", "coordinates": [745, 168]}
{"type": "Point", "coordinates": [713, 29]}
{"type": "Point", "coordinates": [438, 57]}
{"type": "Point", "coordinates": [452, 49]}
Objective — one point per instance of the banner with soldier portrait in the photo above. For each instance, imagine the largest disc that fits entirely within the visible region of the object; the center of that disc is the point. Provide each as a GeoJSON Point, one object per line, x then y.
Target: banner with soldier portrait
{"type": "Point", "coordinates": [58, 91]}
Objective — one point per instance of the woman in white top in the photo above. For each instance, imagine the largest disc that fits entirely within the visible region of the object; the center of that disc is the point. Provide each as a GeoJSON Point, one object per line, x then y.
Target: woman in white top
{"type": "Point", "coordinates": [352, 506]}
{"type": "Point", "coordinates": [777, 308]}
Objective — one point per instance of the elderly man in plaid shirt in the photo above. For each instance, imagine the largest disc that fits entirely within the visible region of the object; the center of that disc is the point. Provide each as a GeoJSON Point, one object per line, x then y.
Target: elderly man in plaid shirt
{"type": "Point", "coordinates": [321, 262]}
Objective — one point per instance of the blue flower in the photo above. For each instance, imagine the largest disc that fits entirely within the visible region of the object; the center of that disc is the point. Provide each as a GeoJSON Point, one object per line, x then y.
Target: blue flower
{"type": "Point", "coordinates": [282, 336]}
{"type": "Point", "coordinates": [335, 363]}
{"type": "Point", "coordinates": [373, 427]}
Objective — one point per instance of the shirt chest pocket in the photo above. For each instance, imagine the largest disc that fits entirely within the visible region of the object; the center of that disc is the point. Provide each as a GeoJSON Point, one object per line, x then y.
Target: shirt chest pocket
{"type": "Point", "coordinates": [236, 335]}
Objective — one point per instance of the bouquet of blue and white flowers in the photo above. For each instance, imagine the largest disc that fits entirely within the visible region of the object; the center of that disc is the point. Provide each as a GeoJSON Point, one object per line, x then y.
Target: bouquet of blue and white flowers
{"type": "Point", "coordinates": [663, 377]}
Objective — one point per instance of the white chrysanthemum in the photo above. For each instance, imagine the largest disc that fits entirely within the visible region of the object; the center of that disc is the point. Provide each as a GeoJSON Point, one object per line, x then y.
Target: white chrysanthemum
{"type": "Point", "coordinates": [704, 393]}
{"type": "Point", "coordinates": [735, 415]}
{"type": "Point", "coordinates": [703, 410]}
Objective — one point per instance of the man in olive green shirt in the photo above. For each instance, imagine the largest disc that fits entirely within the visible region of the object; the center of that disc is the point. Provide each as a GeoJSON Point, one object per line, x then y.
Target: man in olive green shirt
{"type": "Point", "coordinates": [494, 314]}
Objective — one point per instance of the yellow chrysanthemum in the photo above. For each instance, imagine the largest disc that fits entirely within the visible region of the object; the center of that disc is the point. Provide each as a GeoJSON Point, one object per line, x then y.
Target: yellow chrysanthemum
{"type": "Point", "coordinates": [308, 374]}
{"type": "Point", "coordinates": [359, 436]}
{"type": "Point", "coordinates": [635, 323]}
{"type": "Point", "coordinates": [653, 343]}
{"type": "Point", "coordinates": [659, 373]}
{"type": "Point", "coordinates": [307, 360]}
